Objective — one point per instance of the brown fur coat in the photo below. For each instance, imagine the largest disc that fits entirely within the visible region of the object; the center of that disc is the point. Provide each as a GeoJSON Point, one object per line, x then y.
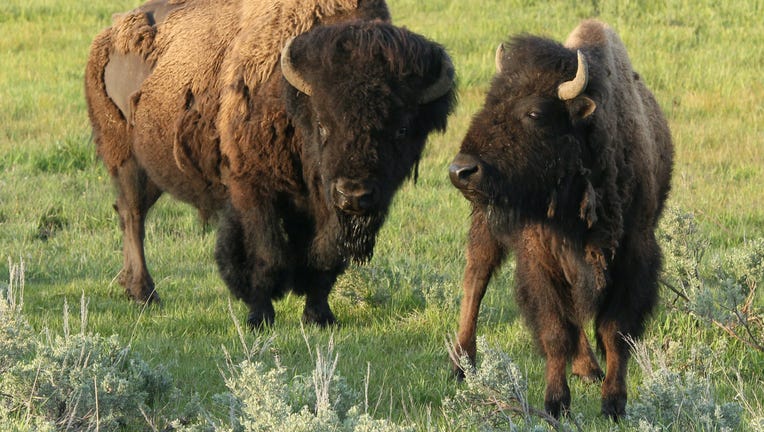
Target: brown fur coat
{"type": "Point", "coordinates": [240, 45]}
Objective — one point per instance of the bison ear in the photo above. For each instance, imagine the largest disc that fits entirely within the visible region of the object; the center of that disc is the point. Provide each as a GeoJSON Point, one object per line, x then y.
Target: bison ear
{"type": "Point", "coordinates": [581, 107]}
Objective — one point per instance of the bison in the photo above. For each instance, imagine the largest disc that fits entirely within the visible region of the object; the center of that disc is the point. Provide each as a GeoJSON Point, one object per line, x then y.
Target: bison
{"type": "Point", "coordinates": [291, 122]}
{"type": "Point", "coordinates": [567, 166]}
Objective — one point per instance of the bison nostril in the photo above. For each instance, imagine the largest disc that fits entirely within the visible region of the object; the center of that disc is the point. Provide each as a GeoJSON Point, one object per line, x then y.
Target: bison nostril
{"type": "Point", "coordinates": [466, 172]}
{"type": "Point", "coordinates": [354, 197]}
{"type": "Point", "coordinates": [365, 200]}
{"type": "Point", "coordinates": [461, 174]}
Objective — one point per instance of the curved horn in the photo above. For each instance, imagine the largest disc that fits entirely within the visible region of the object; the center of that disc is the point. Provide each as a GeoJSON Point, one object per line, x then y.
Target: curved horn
{"type": "Point", "coordinates": [499, 56]}
{"type": "Point", "coordinates": [570, 89]}
{"type": "Point", "coordinates": [442, 85]}
{"type": "Point", "coordinates": [290, 73]}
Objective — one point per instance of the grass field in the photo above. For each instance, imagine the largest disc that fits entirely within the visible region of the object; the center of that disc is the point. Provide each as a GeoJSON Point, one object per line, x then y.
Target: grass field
{"type": "Point", "coordinates": [704, 60]}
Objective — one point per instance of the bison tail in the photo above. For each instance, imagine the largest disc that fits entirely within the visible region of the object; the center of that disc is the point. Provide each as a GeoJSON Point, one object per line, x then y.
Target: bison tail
{"type": "Point", "coordinates": [110, 129]}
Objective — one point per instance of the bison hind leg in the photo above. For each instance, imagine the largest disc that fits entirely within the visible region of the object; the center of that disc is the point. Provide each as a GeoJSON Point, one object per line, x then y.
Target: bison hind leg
{"type": "Point", "coordinates": [584, 364]}
{"type": "Point", "coordinates": [136, 193]}
{"type": "Point", "coordinates": [623, 315]}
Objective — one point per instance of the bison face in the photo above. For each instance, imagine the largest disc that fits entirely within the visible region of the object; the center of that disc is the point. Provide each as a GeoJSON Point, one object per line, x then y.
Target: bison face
{"type": "Point", "coordinates": [363, 96]}
{"type": "Point", "coordinates": [524, 154]}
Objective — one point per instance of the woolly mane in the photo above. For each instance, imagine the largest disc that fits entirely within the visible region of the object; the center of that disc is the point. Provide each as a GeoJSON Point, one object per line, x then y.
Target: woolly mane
{"type": "Point", "coordinates": [279, 20]}
{"type": "Point", "coordinates": [342, 58]}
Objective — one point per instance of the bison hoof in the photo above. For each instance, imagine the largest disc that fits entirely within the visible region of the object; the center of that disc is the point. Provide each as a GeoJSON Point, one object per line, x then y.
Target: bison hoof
{"type": "Point", "coordinates": [459, 368]}
{"type": "Point", "coordinates": [556, 408]}
{"type": "Point", "coordinates": [151, 298]}
{"type": "Point", "coordinates": [321, 317]}
{"type": "Point", "coordinates": [142, 291]}
{"type": "Point", "coordinates": [457, 373]}
{"type": "Point", "coordinates": [559, 404]}
{"type": "Point", "coordinates": [614, 406]}
{"type": "Point", "coordinates": [261, 317]}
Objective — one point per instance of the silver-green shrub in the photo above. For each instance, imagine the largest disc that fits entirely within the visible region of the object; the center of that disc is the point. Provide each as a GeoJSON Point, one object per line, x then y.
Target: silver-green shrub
{"type": "Point", "coordinates": [76, 382]}
{"type": "Point", "coordinates": [720, 290]}
{"type": "Point", "coordinates": [672, 400]}
{"type": "Point", "coordinates": [494, 397]}
{"type": "Point", "coordinates": [264, 398]}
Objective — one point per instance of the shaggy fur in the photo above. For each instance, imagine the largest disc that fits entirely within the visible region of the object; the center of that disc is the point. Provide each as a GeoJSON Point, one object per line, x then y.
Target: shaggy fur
{"type": "Point", "coordinates": [301, 184]}
{"type": "Point", "coordinates": [575, 189]}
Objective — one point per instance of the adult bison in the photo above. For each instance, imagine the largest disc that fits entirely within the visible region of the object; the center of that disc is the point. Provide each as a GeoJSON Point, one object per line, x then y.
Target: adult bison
{"type": "Point", "coordinates": [294, 121]}
{"type": "Point", "coordinates": [568, 166]}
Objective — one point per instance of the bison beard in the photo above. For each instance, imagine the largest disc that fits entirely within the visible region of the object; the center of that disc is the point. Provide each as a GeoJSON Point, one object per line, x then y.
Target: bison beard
{"type": "Point", "coordinates": [357, 235]}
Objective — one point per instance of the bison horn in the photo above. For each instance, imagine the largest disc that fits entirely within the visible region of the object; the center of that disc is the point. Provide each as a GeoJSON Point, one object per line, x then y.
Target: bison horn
{"type": "Point", "coordinates": [290, 73]}
{"type": "Point", "coordinates": [499, 57]}
{"type": "Point", "coordinates": [570, 89]}
{"type": "Point", "coordinates": [442, 85]}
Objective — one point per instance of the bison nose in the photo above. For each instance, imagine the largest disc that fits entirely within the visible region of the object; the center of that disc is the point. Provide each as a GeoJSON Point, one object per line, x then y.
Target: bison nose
{"type": "Point", "coordinates": [354, 197]}
{"type": "Point", "coordinates": [464, 171]}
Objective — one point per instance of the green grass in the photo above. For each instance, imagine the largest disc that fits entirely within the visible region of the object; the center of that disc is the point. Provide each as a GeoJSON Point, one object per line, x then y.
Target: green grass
{"type": "Point", "coordinates": [702, 59]}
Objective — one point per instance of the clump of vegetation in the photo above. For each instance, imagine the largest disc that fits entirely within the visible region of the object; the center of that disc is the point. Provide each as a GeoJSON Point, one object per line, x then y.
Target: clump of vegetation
{"type": "Point", "coordinates": [262, 397]}
{"type": "Point", "coordinates": [670, 400]}
{"type": "Point", "coordinates": [720, 291]}
{"type": "Point", "coordinates": [82, 381]}
{"type": "Point", "coordinates": [494, 396]}
{"type": "Point", "coordinates": [75, 381]}
{"type": "Point", "coordinates": [671, 397]}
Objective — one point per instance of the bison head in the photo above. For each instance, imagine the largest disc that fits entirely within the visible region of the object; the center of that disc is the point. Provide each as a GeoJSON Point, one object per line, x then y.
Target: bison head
{"type": "Point", "coordinates": [525, 154]}
{"type": "Point", "coordinates": [363, 96]}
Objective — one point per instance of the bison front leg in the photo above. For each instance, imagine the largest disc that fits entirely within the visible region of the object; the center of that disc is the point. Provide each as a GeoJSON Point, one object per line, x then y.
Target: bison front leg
{"type": "Point", "coordinates": [136, 193]}
{"type": "Point", "coordinates": [484, 255]}
{"type": "Point", "coordinates": [544, 311]}
{"type": "Point", "coordinates": [249, 253]}
{"type": "Point", "coordinates": [316, 284]}
{"type": "Point", "coordinates": [623, 314]}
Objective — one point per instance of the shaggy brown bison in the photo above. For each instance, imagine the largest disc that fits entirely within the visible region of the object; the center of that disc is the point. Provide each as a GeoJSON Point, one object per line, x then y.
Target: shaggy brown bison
{"type": "Point", "coordinates": [567, 166]}
{"type": "Point", "coordinates": [292, 121]}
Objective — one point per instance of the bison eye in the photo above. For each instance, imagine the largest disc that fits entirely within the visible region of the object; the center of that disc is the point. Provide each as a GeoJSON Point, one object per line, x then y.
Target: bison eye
{"type": "Point", "coordinates": [535, 115]}
{"type": "Point", "coordinates": [401, 133]}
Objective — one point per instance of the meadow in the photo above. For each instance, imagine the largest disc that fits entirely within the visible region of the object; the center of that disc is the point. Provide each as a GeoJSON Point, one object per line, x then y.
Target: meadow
{"type": "Point", "coordinates": [703, 60]}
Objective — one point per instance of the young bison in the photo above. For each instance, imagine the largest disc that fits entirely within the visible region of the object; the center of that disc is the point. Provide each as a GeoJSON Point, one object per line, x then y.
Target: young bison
{"type": "Point", "coordinates": [568, 166]}
{"type": "Point", "coordinates": [295, 121]}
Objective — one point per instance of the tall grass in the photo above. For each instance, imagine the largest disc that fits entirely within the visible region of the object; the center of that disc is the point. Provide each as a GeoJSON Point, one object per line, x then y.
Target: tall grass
{"type": "Point", "coordinates": [703, 60]}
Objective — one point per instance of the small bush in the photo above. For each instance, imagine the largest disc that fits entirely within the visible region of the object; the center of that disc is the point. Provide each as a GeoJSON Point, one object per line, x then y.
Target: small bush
{"type": "Point", "coordinates": [77, 382]}
{"type": "Point", "coordinates": [669, 400]}
{"type": "Point", "coordinates": [494, 398]}
{"type": "Point", "coordinates": [263, 398]}
{"type": "Point", "coordinates": [84, 382]}
{"type": "Point", "coordinates": [719, 290]}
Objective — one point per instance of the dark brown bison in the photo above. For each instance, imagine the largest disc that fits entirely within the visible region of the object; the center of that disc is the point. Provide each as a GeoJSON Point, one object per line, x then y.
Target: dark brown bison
{"type": "Point", "coordinates": [567, 166]}
{"type": "Point", "coordinates": [293, 121]}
